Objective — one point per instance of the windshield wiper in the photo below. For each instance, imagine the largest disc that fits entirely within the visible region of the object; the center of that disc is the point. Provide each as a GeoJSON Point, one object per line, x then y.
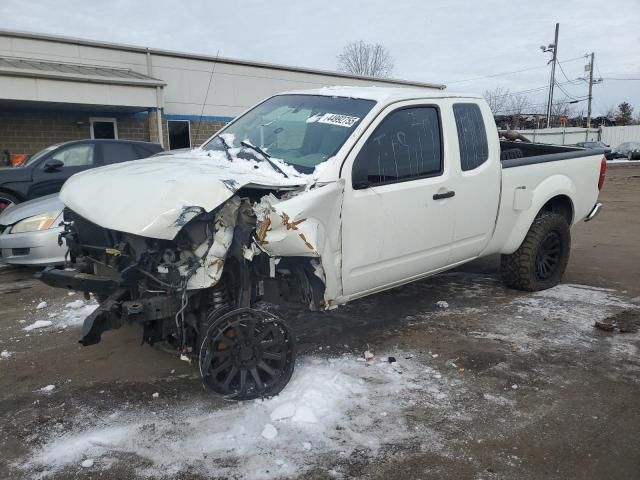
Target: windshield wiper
{"type": "Point", "coordinates": [226, 147]}
{"type": "Point", "coordinates": [265, 155]}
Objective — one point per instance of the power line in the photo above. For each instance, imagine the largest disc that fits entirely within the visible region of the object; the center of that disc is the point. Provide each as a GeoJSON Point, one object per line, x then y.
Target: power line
{"type": "Point", "coordinates": [507, 73]}
{"type": "Point", "coordinates": [565, 75]}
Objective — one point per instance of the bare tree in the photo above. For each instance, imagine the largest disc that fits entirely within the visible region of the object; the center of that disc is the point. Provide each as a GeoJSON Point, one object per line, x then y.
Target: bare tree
{"type": "Point", "coordinates": [366, 59]}
{"type": "Point", "coordinates": [561, 112]}
{"type": "Point", "coordinates": [497, 99]}
{"type": "Point", "coordinates": [517, 105]}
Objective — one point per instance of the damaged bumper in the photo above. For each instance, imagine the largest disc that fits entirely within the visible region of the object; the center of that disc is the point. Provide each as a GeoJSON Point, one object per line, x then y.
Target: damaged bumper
{"type": "Point", "coordinates": [74, 280]}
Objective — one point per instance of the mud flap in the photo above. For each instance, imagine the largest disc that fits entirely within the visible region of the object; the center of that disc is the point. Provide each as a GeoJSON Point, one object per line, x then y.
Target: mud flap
{"type": "Point", "coordinates": [106, 317]}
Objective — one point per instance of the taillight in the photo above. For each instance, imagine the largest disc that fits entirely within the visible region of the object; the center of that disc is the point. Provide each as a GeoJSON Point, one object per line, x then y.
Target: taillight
{"type": "Point", "coordinates": [603, 172]}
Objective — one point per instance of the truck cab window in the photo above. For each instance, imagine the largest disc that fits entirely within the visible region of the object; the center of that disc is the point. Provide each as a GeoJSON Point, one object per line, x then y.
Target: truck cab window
{"type": "Point", "coordinates": [472, 137]}
{"type": "Point", "coordinates": [406, 145]}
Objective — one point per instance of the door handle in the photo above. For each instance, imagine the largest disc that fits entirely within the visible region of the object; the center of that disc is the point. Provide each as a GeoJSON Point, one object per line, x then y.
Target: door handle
{"type": "Point", "coordinates": [440, 196]}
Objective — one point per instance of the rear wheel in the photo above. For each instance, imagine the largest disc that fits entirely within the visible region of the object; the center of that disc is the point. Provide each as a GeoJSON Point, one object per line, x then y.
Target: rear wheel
{"type": "Point", "coordinates": [247, 354]}
{"type": "Point", "coordinates": [542, 258]}
{"type": "Point", "coordinates": [7, 199]}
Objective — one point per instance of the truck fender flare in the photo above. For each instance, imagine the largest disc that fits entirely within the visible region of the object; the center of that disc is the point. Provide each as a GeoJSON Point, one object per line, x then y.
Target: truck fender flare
{"type": "Point", "coordinates": [554, 186]}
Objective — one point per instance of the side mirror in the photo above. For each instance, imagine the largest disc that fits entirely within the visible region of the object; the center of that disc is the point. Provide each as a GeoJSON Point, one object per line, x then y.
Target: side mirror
{"type": "Point", "coordinates": [360, 171]}
{"type": "Point", "coordinates": [53, 165]}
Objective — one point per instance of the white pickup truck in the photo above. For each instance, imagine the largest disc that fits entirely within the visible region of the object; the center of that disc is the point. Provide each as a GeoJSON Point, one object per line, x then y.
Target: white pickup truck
{"type": "Point", "coordinates": [317, 197]}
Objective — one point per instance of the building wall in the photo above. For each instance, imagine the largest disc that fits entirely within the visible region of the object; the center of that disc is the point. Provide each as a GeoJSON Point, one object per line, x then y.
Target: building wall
{"type": "Point", "coordinates": [31, 131]}
{"type": "Point", "coordinates": [232, 86]}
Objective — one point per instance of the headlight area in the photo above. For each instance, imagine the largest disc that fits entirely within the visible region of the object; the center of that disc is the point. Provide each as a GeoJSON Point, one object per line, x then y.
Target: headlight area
{"type": "Point", "coordinates": [38, 222]}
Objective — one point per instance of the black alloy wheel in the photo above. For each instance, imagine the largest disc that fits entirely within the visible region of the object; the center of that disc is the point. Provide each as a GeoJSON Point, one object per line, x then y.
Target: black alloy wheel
{"type": "Point", "coordinates": [247, 354]}
{"type": "Point", "coordinates": [549, 255]}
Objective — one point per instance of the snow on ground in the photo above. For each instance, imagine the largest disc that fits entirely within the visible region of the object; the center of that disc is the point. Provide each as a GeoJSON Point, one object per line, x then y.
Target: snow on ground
{"type": "Point", "coordinates": [72, 314]}
{"type": "Point", "coordinates": [331, 408]}
{"type": "Point", "coordinates": [5, 354]}
{"type": "Point", "coordinates": [38, 324]}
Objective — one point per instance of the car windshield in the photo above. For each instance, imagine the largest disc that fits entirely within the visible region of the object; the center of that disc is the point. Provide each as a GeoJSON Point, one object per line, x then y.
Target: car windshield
{"type": "Point", "coordinates": [39, 155]}
{"type": "Point", "coordinates": [302, 130]}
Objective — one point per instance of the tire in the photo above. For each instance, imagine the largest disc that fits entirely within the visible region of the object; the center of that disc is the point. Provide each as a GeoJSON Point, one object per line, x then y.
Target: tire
{"type": "Point", "coordinates": [7, 199]}
{"type": "Point", "coordinates": [234, 354]}
{"type": "Point", "coordinates": [542, 258]}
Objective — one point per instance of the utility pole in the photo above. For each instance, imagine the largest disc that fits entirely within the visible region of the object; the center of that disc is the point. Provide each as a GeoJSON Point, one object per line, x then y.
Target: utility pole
{"type": "Point", "coordinates": [553, 48]}
{"type": "Point", "coordinates": [590, 90]}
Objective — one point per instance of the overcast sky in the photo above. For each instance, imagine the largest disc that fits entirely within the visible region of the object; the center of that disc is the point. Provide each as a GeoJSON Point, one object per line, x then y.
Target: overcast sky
{"type": "Point", "coordinates": [457, 42]}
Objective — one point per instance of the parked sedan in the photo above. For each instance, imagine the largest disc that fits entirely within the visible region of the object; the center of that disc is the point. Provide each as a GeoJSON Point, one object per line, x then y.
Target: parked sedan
{"type": "Point", "coordinates": [46, 171]}
{"type": "Point", "coordinates": [29, 232]}
{"type": "Point", "coordinates": [596, 145]}
{"type": "Point", "coordinates": [628, 150]}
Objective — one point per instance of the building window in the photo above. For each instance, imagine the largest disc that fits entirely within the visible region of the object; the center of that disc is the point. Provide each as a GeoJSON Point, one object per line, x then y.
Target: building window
{"type": "Point", "coordinates": [405, 146]}
{"type": "Point", "coordinates": [179, 134]}
{"type": "Point", "coordinates": [472, 137]}
{"type": "Point", "coordinates": [103, 127]}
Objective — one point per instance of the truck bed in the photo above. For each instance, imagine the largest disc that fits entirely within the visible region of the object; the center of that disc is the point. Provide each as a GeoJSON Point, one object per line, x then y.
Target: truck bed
{"type": "Point", "coordinates": [514, 154]}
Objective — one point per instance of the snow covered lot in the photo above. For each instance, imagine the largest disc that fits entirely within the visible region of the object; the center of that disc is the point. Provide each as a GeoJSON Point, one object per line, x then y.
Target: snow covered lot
{"type": "Point", "coordinates": [487, 383]}
{"type": "Point", "coordinates": [341, 415]}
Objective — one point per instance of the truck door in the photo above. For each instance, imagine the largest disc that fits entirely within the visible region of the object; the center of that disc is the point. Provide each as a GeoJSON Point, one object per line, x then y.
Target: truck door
{"type": "Point", "coordinates": [479, 180]}
{"type": "Point", "coordinates": [53, 171]}
{"type": "Point", "coordinates": [397, 217]}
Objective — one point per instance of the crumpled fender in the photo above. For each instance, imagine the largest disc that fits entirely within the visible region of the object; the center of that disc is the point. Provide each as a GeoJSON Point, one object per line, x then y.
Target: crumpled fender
{"type": "Point", "coordinates": [306, 225]}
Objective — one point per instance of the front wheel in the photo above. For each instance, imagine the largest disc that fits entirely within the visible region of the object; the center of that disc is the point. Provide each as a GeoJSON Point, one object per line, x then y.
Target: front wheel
{"type": "Point", "coordinates": [542, 258]}
{"type": "Point", "coordinates": [246, 354]}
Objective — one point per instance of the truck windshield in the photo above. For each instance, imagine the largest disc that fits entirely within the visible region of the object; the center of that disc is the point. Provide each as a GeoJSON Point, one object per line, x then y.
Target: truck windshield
{"type": "Point", "coordinates": [302, 130]}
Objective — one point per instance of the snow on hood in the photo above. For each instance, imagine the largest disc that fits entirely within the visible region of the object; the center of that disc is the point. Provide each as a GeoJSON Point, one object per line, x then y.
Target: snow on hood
{"type": "Point", "coordinates": [156, 197]}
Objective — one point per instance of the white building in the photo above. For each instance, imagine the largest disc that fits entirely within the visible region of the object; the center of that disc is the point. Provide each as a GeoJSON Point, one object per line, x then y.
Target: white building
{"type": "Point", "coordinates": [54, 89]}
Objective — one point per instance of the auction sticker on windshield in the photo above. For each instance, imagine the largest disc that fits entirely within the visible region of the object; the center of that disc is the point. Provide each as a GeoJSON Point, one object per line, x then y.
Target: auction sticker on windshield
{"type": "Point", "coordinates": [337, 119]}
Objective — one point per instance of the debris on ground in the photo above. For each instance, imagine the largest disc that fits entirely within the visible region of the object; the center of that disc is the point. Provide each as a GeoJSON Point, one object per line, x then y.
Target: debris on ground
{"type": "Point", "coordinates": [47, 389]}
{"type": "Point", "coordinates": [41, 305]}
{"type": "Point", "coordinates": [391, 359]}
{"type": "Point", "coordinates": [442, 304]}
{"type": "Point", "coordinates": [369, 356]}
{"type": "Point", "coordinates": [155, 395]}
{"type": "Point", "coordinates": [514, 386]}
{"type": "Point", "coordinates": [627, 321]}
{"type": "Point", "coordinates": [38, 324]}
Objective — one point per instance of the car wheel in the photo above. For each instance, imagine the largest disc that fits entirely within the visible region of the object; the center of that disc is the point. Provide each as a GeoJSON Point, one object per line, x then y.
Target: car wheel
{"type": "Point", "coordinates": [542, 258]}
{"type": "Point", "coordinates": [247, 354]}
{"type": "Point", "coordinates": [7, 199]}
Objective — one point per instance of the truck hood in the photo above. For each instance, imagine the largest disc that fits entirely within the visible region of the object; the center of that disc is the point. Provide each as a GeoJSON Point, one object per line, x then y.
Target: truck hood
{"type": "Point", "coordinates": [155, 197]}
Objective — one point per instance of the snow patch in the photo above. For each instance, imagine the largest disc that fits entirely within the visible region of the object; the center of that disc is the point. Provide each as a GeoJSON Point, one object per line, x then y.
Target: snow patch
{"type": "Point", "coordinates": [327, 409]}
{"type": "Point", "coordinates": [41, 305]}
{"type": "Point", "coordinates": [38, 324]}
{"type": "Point", "coordinates": [5, 354]}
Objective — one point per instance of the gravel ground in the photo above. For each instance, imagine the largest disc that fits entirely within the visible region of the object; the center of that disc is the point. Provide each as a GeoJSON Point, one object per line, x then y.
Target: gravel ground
{"type": "Point", "coordinates": [487, 383]}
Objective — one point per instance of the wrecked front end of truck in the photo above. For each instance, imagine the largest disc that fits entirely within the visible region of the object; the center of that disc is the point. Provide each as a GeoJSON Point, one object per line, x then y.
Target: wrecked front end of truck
{"type": "Point", "coordinates": [196, 247]}
{"type": "Point", "coordinates": [207, 291]}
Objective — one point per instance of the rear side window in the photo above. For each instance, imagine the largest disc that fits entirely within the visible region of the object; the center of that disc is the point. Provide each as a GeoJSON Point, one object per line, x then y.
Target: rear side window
{"type": "Point", "coordinates": [79, 155]}
{"type": "Point", "coordinates": [118, 152]}
{"type": "Point", "coordinates": [406, 145]}
{"type": "Point", "coordinates": [472, 136]}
